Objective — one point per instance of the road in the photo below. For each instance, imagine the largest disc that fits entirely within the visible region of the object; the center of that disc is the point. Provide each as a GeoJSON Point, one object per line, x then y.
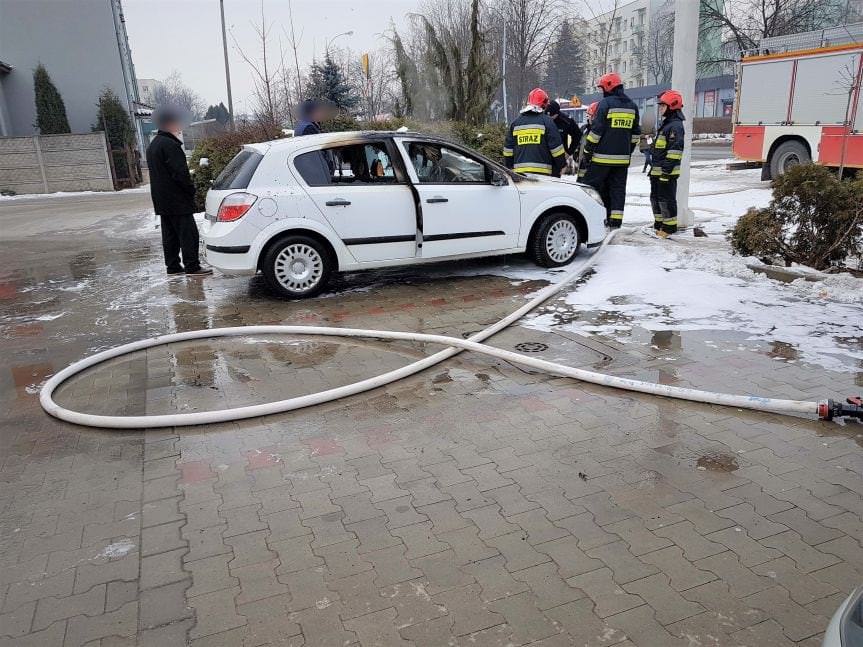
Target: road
{"type": "Point", "coordinates": [700, 153]}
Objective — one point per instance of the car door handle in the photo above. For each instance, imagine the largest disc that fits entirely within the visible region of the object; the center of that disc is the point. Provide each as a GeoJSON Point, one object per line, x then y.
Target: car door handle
{"type": "Point", "coordinates": [437, 198]}
{"type": "Point", "coordinates": [338, 202]}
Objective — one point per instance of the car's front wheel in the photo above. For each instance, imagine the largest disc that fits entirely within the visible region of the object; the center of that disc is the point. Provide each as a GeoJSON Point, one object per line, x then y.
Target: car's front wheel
{"type": "Point", "coordinates": [297, 267]}
{"type": "Point", "coordinates": [556, 241]}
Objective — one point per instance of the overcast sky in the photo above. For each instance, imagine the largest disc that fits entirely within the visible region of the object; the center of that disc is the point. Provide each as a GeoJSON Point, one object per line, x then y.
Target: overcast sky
{"type": "Point", "coordinates": [185, 35]}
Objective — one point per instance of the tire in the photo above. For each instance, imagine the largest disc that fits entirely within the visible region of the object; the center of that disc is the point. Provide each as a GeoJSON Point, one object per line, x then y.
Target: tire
{"type": "Point", "coordinates": [786, 155]}
{"type": "Point", "coordinates": [556, 241]}
{"type": "Point", "coordinates": [297, 267]}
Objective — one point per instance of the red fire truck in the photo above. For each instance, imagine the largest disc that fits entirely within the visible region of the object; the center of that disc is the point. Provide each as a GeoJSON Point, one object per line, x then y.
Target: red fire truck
{"type": "Point", "coordinates": [799, 100]}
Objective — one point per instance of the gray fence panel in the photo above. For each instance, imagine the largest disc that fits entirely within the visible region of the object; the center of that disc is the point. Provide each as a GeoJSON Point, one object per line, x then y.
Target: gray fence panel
{"type": "Point", "coordinates": [49, 163]}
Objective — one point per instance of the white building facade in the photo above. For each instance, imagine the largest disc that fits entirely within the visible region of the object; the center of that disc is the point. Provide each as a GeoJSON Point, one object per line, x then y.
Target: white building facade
{"type": "Point", "coordinates": [615, 40]}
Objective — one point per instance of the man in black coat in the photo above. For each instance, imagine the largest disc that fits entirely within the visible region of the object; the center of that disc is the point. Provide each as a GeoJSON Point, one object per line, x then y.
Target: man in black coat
{"type": "Point", "coordinates": [173, 195]}
{"type": "Point", "coordinates": [570, 133]}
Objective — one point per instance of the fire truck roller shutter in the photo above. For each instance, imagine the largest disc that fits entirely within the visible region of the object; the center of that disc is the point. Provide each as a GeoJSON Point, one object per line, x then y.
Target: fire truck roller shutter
{"type": "Point", "coordinates": [818, 81]}
{"type": "Point", "coordinates": [765, 89]}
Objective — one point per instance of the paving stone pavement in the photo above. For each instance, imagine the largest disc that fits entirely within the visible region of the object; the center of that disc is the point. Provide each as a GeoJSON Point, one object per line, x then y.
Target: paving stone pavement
{"type": "Point", "coordinates": [476, 503]}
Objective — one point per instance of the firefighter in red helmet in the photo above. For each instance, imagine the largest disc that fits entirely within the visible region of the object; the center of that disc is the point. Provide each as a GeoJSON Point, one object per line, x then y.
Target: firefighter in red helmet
{"type": "Point", "coordinates": [613, 135]}
{"type": "Point", "coordinates": [667, 153]}
{"type": "Point", "coordinates": [533, 143]}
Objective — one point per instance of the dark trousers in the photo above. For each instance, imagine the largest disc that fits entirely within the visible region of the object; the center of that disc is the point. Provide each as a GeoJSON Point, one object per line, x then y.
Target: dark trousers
{"type": "Point", "coordinates": [663, 200]}
{"type": "Point", "coordinates": [610, 181]}
{"type": "Point", "coordinates": [647, 160]}
{"type": "Point", "coordinates": [180, 233]}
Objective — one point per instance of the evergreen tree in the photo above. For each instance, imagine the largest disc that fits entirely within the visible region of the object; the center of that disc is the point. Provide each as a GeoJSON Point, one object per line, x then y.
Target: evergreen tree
{"type": "Point", "coordinates": [328, 81]}
{"type": "Point", "coordinates": [565, 74]}
{"type": "Point", "coordinates": [113, 118]}
{"type": "Point", "coordinates": [50, 110]}
{"type": "Point", "coordinates": [219, 113]}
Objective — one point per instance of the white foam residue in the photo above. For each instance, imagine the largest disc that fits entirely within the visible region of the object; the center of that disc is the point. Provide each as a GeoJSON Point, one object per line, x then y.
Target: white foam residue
{"type": "Point", "coordinates": [117, 549]}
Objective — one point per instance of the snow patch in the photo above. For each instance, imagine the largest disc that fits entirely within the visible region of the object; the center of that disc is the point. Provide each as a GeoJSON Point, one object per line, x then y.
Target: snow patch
{"type": "Point", "coordinates": [117, 549]}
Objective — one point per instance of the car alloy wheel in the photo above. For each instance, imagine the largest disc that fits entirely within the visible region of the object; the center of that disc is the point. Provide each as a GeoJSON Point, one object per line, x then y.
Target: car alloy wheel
{"type": "Point", "coordinates": [298, 267]}
{"type": "Point", "coordinates": [561, 241]}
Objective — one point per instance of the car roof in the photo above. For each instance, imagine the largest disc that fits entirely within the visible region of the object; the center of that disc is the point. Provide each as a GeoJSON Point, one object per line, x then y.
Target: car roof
{"type": "Point", "coordinates": [288, 144]}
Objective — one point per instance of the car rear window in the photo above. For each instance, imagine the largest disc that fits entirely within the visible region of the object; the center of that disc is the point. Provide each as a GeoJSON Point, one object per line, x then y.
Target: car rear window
{"type": "Point", "coordinates": [239, 171]}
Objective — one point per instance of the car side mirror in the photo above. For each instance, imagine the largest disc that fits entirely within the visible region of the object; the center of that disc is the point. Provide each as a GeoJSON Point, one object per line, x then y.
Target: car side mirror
{"type": "Point", "coordinates": [204, 162]}
{"type": "Point", "coordinates": [498, 178]}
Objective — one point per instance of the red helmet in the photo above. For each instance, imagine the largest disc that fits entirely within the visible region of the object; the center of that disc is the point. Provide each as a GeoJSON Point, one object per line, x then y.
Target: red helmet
{"type": "Point", "coordinates": [591, 109]}
{"type": "Point", "coordinates": [672, 99]}
{"type": "Point", "coordinates": [607, 82]}
{"type": "Point", "coordinates": [538, 97]}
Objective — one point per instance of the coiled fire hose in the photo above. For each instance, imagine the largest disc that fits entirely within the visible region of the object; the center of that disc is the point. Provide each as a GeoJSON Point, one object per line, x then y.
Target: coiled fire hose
{"type": "Point", "coordinates": [825, 409]}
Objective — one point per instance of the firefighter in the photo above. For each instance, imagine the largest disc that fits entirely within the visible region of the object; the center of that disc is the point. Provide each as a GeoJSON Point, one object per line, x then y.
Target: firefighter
{"type": "Point", "coordinates": [666, 154]}
{"type": "Point", "coordinates": [570, 134]}
{"type": "Point", "coordinates": [533, 143]}
{"type": "Point", "coordinates": [612, 138]}
{"type": "Point", "coordinates": [582, 158]}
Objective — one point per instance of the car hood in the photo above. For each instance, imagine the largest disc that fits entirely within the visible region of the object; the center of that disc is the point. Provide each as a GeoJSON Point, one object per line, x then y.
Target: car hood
{"type": "Point", "coordinates": [546, 180]}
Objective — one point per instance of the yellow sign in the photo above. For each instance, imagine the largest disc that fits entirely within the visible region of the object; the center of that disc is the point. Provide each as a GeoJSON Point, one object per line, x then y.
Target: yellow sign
{"type": "Point", "coordinates": [365, 62]}
{"type": "Point", "coordinates": [575, 102]}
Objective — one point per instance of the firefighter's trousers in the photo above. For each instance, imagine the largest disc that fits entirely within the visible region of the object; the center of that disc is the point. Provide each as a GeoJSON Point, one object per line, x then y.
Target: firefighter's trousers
{"type": "Point", "coordinates": [663, 200]}
{"type": "Point", "coordinates": [610, 181]}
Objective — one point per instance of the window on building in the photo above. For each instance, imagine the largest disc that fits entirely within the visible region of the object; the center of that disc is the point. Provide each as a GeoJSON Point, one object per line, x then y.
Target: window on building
{"type": "Point", "coordinates": [624, 67]}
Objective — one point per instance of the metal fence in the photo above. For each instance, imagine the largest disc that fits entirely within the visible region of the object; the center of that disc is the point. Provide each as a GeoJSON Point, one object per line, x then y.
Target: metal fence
{"type": "Point", "coordinates": [50, 163]}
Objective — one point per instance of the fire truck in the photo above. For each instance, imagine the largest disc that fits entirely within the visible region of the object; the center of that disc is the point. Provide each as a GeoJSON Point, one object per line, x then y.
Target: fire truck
{"type": "Point", "coordinates": [799, 100]}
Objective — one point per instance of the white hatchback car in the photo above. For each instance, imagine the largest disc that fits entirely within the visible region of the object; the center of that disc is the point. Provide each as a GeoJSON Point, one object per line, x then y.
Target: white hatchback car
{"type": "Point", "coordinates": [300, 209]}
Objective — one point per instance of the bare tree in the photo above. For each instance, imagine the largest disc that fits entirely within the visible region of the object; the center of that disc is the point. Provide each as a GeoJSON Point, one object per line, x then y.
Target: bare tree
{"type": "Point", "coordinates": [173, 92]}
{"type": "Point", "coordinates": [745, 22]}
{"type": "Point", "coordinates": [265, 73]}
{"type": "Point", "coordinates": [531, 30]}
{"type": "Point", "coordinates": [377, 88]}
{"type": "Point", "coordinates": [654, 51]}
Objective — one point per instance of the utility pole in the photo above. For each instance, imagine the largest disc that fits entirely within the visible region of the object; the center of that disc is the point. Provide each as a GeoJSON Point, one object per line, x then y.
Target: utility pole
{"type": "Point", "coordinates": [683, 80]}
{"type": "Point", "coordinates": [227, 67]}
{"type": "Point", "coordinates": [503, 74]}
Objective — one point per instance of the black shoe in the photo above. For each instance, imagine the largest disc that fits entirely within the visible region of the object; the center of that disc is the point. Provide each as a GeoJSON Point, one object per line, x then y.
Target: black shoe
{"type": "Point", "coordinates": [201, 271]}
{"type": "Point", "coordinates": [176, 272]}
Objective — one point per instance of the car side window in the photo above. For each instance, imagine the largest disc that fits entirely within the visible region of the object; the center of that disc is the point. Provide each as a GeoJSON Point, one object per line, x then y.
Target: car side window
{"type": "Point", "coordinates": [440, 164]}
{"type": "Point", "coordinates": [354, 164]}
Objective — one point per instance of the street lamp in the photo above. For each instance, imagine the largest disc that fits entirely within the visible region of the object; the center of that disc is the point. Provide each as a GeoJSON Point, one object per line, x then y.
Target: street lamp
{"type": "Point", "coordinates": [347, 33]}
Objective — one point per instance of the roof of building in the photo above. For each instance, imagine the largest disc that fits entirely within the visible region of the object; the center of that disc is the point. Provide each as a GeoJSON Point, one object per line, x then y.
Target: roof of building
{"type": "Point", "coordinates": [5, 67]}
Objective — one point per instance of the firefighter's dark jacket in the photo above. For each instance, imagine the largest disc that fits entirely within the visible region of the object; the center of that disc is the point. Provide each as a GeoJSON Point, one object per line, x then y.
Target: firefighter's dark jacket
{"type": "Point", "coordinates": [615, 130]}
{"type": "Point", "coordinates": [570, 133]}
{"type": "Point", "coordinates": [533, 145]}
{"type": "Point", "coordinates": [667, 149]}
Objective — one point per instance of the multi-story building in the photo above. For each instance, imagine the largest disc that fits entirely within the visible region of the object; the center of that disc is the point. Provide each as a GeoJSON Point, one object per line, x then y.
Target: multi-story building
{"type": "Point", "coordinates": [615, 38]}
{"type": "Point", "coordinates": [83, 45]}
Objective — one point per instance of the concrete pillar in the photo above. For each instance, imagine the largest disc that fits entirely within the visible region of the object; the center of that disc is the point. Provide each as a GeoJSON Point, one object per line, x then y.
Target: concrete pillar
{"type": "Point", "coordinates": [683, 80]}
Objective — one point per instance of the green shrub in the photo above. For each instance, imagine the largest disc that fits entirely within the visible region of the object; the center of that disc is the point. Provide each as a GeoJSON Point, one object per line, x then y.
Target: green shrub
{"type": "Point", "coordinates": [814, 219]}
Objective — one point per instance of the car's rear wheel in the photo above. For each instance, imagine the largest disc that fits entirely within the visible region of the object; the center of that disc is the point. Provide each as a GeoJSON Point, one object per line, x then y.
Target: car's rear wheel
{"type": "Point", "coordinates": [556, 240]}
{"type": "Point", "coordinates": [297, 267]}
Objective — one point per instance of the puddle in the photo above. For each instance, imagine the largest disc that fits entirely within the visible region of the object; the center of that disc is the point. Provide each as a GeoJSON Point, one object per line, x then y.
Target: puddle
{"type": "Point", "coordinates": [717, 463]}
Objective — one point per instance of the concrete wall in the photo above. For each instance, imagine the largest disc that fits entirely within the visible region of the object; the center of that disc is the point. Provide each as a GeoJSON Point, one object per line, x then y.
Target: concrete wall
{"type": "Point", "coordinates": [49, 163]}
{"type": "Point", "coordinates": [76, 41]}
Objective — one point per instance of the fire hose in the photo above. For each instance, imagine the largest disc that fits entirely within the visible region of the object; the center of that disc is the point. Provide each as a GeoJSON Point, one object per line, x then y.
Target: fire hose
{"type": "Point", "coordinates": [823, 409]}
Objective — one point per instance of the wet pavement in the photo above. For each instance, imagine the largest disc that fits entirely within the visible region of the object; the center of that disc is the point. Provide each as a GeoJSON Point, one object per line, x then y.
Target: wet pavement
{"type": "Point", "coordinates": [475, 503]}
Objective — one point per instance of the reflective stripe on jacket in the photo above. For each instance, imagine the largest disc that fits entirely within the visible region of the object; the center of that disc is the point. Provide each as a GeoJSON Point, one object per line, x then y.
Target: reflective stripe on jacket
{"type": "Point", "coordinates": [533, 144]}
{"type": "Point", "coordinates": [667, 150]}
{"type": "Point", "coordinates": [615, 130]}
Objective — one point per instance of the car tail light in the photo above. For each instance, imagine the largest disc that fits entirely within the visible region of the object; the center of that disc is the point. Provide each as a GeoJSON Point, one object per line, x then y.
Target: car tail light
{"type": "Point", "coordinates": [235, 206]}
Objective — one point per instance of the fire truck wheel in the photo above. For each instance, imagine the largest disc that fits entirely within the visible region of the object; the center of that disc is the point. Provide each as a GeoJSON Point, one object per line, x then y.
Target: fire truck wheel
{"type": "Point", "coordinates": [786, 155]}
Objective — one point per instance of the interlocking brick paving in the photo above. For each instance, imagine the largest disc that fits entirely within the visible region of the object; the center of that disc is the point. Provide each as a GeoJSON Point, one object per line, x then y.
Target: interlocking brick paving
{"type": "Point", "coordinates": [476, 503]}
